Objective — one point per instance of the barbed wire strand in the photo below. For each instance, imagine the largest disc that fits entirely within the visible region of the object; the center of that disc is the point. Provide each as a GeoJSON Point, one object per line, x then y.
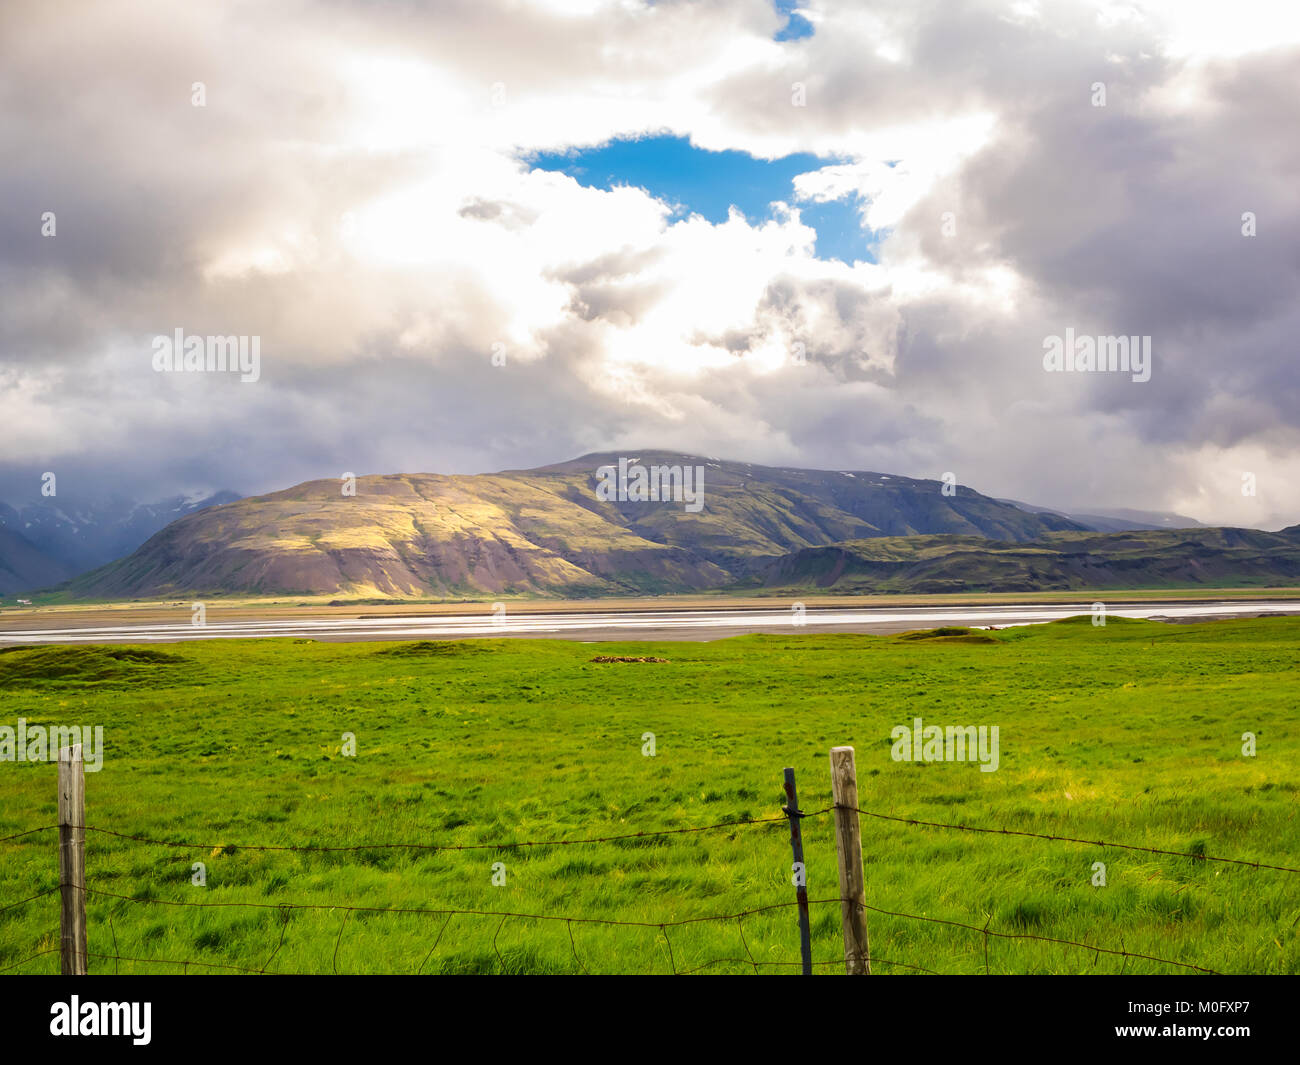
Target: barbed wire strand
{"type": "Point", "coordinates": [31, 957]}
{"type": "Point", "coordinates": [782, 818]}
{"type": "Point", "coordinates": [443, 846]}
{"type": "Point", "coordinates": [440, 910]}
{"type": "Point", "coordinates": [1071, 839]}
{"type": "Point", "coordinates": [986, 932]}
{"type": "Point", "coordinates": [28, 832]}
{"type": "Point", "coordinates": [173, 961]}
{"type": "Point", "coordinates": [32, 898]}
{"type": "Point", "coordinates": [439, 940]}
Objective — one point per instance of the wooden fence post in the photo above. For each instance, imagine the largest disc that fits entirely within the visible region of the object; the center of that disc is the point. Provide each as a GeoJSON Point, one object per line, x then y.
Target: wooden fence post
{"type": "Point", "coordinates": [72, 861]}
{"type": "Point", "coordinates": [801, 884]}
{"type": "Point", "coordinates": [848, 849]}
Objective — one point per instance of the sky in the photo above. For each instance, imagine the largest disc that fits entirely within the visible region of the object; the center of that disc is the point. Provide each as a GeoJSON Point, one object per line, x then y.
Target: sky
{"type": "Point", "coordinates": [489, 234]}
{"type": "Point", "coordinates": [696, 181]}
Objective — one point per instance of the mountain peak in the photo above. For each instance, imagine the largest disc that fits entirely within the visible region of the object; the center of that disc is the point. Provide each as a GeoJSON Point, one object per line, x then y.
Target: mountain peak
{"type": "Point", "coordinates": [545, 531]}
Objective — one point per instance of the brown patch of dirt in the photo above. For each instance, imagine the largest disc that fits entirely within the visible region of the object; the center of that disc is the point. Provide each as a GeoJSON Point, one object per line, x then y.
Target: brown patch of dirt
{"type": "Point", "coordinates": [625, 658]}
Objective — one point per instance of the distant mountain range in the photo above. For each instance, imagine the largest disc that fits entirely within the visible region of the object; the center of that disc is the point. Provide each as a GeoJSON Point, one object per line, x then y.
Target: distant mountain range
{"type": "Point", "coordinates": [48, 541]}
{"type": "Point", "coordinates": [1119, 519]}
{"type": "Point", "coordinates": [560, 531]}
{"type": "Point", "coordinates": [24, 566]}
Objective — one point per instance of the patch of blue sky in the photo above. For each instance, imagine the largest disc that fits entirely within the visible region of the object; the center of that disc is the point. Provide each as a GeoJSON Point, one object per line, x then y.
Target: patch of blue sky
{"type": "Point", "coordinates": [840, 234]}
{"type": "Point", "coordinates": [796, 26]}
{"type": "Point", "coordinates": [696, 181]}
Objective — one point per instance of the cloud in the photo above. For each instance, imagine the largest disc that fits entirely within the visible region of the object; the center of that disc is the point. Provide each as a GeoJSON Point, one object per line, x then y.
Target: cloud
{"type": "Point", "coordinates": [355, 193]}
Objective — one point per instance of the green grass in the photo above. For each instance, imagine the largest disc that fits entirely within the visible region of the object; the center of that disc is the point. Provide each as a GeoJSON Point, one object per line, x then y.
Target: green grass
{"type": "Point", "coordinates": [1130, 733]}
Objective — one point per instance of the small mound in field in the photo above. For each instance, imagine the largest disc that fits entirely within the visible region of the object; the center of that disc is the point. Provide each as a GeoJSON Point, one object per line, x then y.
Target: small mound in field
{"type": "Point", "coordinates": [22, 665]}
{"type": "Point", "coordinates": [626, 658]}
{"type": "Point", "coordinates": [1110, 619]}
{"type": "Point", "coordinates": [426, 648]}
{"type": "Point", "coordinates": [949, 634]}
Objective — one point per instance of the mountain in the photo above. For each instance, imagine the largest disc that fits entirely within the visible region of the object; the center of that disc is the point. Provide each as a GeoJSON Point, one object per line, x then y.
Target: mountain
{"type": "Point", "coordinates": [24, 566]}
{"type": "Point", "coordinates": [1116, 519]}
{"type": "Point", "coordinates": [1126, 519]}
{"type": "Point", "coordinates": [543, 531]}
{"type": "Point", "coordinates": [84, 533]}
{"type": "Point", "coordinates": [1208, 557]}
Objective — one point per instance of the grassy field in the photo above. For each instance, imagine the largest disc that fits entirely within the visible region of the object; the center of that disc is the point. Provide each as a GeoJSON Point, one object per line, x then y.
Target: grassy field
{"type": "Point", "coordinates": [1131, 733]}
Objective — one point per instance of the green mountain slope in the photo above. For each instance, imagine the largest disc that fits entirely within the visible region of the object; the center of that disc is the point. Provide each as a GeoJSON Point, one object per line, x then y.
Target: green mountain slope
{"type": "Point", "coordinates": [541, 531]}
{"type": "Point", "coordinates": [1169, 558]}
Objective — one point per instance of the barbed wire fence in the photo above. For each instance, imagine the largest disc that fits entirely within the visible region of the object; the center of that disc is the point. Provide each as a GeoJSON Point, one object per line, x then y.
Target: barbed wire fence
{"type": "Point", "coordinates": [73, 887]}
